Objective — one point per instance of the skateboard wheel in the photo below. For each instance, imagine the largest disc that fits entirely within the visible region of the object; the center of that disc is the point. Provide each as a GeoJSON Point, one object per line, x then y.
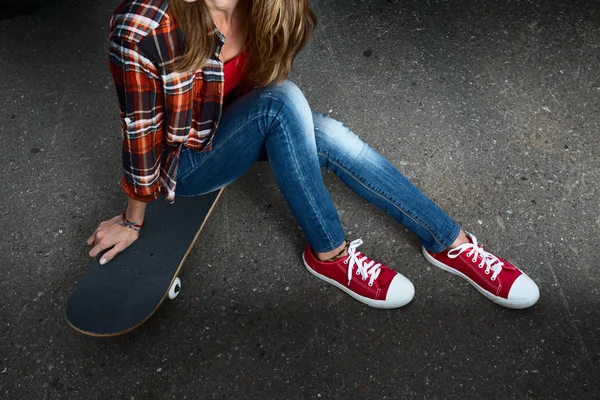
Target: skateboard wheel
{"type": "Point", "coordinates": [175, 288]}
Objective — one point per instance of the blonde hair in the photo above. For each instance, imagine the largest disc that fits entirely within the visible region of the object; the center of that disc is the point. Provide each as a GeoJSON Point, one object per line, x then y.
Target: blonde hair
{"type": "Point", "coordinates": [277, 30]}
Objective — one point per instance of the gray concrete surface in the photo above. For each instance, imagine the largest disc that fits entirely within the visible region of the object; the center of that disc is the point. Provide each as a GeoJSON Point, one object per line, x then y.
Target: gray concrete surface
{"type": "Point", "coordinates": [490, 107]}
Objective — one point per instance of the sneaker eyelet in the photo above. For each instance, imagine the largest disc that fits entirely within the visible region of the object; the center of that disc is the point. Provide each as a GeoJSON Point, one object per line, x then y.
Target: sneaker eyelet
{"type": "Point", "coordinates": [345, 261]}
{"type": "Point", "coordinates": [493, 279]}
{"type": "Point", "coordinates": [364, 279]}
{"type": "Point", "coordinates": [370, 284]}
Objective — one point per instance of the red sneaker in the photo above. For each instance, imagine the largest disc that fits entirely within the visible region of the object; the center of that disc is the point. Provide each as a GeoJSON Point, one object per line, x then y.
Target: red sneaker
{"type": "Point", "coordinates": [494, 277]}
{"type": "Point", "coordinates": [367, 281]}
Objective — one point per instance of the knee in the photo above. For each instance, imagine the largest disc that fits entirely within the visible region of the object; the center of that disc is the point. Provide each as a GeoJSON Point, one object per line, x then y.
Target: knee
{"type": "Point", "coordinates": [287, 95]}
{"type": "Point", "coordinates": [334, 139]}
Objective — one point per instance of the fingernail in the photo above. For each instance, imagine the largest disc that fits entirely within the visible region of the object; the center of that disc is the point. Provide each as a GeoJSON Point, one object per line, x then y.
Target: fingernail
{"type": "Point", "coordinates": [103, 261]}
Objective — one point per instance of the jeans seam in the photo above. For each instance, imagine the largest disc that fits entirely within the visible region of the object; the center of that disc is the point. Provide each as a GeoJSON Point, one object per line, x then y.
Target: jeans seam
{"type": "Point", "coordinates": [381, 195]}
{"type": "Point", "coordinates": [309, 196]}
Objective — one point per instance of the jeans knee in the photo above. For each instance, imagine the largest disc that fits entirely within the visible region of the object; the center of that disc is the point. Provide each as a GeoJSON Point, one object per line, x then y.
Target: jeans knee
{"type": "Point", "coordinates": [288, 95]}
{"type": "Point", "coordinates": [336, 140]}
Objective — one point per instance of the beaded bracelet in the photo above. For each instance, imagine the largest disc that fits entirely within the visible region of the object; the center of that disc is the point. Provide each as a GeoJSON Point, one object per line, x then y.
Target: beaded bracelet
{"type": "Point", "coordinates": [130, 224]}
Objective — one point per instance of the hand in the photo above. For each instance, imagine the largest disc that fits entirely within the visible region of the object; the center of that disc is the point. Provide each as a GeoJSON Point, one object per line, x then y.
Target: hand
{"type": "Point", "coordinates": [111, 234]}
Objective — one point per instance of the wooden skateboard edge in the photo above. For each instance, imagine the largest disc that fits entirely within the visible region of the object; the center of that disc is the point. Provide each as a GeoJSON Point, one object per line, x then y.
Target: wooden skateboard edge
{"type": "Point", "coordinates": [169, 288]}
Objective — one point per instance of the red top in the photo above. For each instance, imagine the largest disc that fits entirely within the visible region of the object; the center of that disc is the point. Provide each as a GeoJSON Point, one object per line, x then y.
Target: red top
{"type": "Point", "coordinates": [233, 71]}
{"type": "Point", "coordinates": [161, 111]}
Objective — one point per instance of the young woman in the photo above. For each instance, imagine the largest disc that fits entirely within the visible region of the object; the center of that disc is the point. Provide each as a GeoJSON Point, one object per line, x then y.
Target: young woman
{"type": "Point", "coordinates": [203, 96]}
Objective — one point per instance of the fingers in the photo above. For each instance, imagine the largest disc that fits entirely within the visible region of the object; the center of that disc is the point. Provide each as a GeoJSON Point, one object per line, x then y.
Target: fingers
{"type": "Point", "coordinates": [91, 241]}
{"type": "Point", "coordinates": [119, 247]}
{"type": "Point", "coordinates": [109, 255]}
{"type": "Point", "coordinates": [114, 239]}
{"type": "Point", "coordinates": [100, 246]}
{"type": "Point", "coordinates": [111, 236]}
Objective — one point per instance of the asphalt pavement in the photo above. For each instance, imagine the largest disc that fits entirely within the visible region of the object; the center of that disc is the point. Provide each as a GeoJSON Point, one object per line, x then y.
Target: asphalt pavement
{"type": "Point", "coordinates": [490, 107]}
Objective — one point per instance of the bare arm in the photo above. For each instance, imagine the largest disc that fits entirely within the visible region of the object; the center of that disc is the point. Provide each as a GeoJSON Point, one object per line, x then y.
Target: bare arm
{"type": "Point", "coordinates": [135, 211]}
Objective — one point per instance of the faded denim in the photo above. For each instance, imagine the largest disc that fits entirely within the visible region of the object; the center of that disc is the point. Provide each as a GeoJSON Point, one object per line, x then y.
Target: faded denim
{"type": "Point", "coordinates": [278, 120]}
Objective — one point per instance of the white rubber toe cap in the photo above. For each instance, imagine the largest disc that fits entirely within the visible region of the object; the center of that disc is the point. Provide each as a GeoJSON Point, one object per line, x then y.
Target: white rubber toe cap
{"type": "Point", "coordinates": [523, 293]}
{"type": "Point", "coordinates": [400, 292]}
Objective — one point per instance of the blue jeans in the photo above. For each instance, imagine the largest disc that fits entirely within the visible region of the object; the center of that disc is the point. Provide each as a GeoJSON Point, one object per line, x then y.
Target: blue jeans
{"type": "Point", "coordinates": [278, 120]}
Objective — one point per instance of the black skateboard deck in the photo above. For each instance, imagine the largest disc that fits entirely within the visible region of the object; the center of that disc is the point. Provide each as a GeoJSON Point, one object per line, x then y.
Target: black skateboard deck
{"type": "Point", "coordinates": [119, 296]}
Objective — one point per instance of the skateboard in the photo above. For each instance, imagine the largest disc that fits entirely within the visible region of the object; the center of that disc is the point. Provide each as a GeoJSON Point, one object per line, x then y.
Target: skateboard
{"type": "Point", "coordinates": [118, 297]}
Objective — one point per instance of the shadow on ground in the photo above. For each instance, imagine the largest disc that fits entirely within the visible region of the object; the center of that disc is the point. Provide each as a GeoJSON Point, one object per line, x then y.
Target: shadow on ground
{"type": "Point", "coordinates": [491, 109]}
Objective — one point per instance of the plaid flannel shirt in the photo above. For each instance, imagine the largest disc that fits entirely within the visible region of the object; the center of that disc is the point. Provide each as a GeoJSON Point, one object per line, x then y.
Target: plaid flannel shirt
{"type": "Point", "coordinates": [161, 110]}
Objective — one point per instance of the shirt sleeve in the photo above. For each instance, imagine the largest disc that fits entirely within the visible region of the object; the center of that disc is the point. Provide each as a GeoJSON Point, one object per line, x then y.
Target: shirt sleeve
{"type": "Point", "coordinates": [139, 91]}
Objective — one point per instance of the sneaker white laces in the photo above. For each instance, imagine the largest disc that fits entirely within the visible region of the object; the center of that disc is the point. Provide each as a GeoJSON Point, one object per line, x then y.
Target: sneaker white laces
{"type": "Point", "coordinates": [364, 266]}
{"type": "Point", "coordinates": [491, 262]}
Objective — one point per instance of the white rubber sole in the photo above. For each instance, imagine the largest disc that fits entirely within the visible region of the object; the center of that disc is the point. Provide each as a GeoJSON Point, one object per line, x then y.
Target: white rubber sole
{"type": "Point", "coordinates": [382, 304]}
{"type": "Point", "coordinates": [516, 304]}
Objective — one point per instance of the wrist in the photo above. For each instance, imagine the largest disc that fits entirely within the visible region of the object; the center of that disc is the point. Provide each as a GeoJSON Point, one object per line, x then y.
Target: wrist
{"type": "Point", "coordinates": [130, 224]}
{"type": "Point", "coordinates": [135, 217]}
{"type": "Point", "coordinates": [135, 211]}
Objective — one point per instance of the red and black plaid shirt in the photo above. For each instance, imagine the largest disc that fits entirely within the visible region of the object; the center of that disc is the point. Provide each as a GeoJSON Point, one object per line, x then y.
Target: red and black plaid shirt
{"type": "Point", "coordinates": [161, 111]}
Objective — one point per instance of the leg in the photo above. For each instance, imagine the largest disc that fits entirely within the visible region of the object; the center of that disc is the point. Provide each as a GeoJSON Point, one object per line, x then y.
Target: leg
{"type": "Point", "coordinates": [292, 151]}
{"type": "Point", "coordinates": [376, 180]}
{"type": "Point", "coordinates": [279, 119]}
{"type": "Point", "coordinates": [371, 176]}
